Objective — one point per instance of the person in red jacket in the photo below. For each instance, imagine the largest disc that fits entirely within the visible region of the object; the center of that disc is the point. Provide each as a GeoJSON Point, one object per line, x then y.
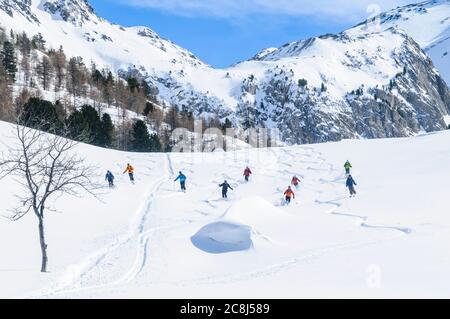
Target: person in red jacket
{"type": "Point", "coordinates": [247, 173]}
{"type": "Point", "coordinates": [295, 181]}
{"type": "Point", "coordinates": [289, 194]}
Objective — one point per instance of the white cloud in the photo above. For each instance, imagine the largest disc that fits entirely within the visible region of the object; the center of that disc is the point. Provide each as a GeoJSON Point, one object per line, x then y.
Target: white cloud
{"type": "Point", "coordinates": [342, 9]}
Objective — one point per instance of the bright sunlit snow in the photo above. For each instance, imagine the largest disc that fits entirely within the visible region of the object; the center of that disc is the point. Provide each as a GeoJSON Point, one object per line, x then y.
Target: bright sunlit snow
{"type": "Point", "coordinates": [149, 240]}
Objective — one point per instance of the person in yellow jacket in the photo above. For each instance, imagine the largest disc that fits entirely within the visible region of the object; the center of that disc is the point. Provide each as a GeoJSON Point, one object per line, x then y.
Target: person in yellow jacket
{"type": "Point", "coordinates": [130, 171]}
{"type": "Point", "coordinates": [347, 167]}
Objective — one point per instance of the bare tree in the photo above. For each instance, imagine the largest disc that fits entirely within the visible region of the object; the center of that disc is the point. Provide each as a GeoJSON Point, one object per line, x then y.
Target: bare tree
{"type": "Point", "coordinates": [47, 167]}
{"type": "Point", "coordinates": [45, 72]}
{"type": "Point", "coordinates": [6, 96]}
{"type": "Point", "coordinates": [76, 72]}
{"type": "Point", "coordinates": [59, 63]}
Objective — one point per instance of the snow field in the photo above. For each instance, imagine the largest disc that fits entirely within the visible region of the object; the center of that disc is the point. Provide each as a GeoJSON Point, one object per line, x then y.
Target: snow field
{"type": "Point", "coordinates": [150, 240]}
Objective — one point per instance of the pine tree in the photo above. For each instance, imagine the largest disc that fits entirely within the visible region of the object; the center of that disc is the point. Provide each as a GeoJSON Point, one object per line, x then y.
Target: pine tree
{"type": "Point", "coordinates": [133, 84]}
{"type": "Point", "coordinates": [85, 125]}
{"type": "Point", "coordinates": [302, 83]}
{"type": "Point", "coordinates": [97, 77]}
{"type": "Point", "coordinates": [106, 134]}
{"type": "Point", "coordinates": [92, 123]}
{"type": "Point", "coordinates": [77, 127]}
{"type": "Point", "coordinates": [141, 137]}
{"type": "Point", "coordinates": [155, 143]}
{"type": "Point", "coordinates": [9, 60]}
{"type": "Point", "coordinates": [38, 42]}
{"type": "Point", "coordinates": [40, 114]}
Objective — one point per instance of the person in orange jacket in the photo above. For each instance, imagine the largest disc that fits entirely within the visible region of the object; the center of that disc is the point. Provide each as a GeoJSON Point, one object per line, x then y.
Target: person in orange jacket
{"type": "Point", "coordinates": [130, 171]}
{"type": "Point", "coordinates": [289, 194]}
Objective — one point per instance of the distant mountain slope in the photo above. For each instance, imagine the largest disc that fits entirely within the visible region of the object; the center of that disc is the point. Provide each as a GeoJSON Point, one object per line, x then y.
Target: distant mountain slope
{"type": "Point", "coordinates": [428, 23]}
{"type": "Point", "coordinates": [360, 83]}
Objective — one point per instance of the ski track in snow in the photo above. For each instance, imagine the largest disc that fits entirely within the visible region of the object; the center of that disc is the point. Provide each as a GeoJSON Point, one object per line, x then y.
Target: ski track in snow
{"type": "Point", "coordinates": [328, 176]}
{"type": "Point", "coordinates": [337, 203]}
{"type": "Point", "coordinates": [93, 262]}
{"type": "Point", "coordinates": [314, 254]}
{"type": "Point", "coordinates": [306, 257]}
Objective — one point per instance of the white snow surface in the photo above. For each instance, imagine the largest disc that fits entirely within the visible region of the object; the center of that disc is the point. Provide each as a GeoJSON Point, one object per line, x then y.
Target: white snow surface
{"type": "Point", "coordinates": [149, 240]}
{"type": "Point", "coordinates": [427, 22]}
{"type": "Point", "coordinates": [447, 120]}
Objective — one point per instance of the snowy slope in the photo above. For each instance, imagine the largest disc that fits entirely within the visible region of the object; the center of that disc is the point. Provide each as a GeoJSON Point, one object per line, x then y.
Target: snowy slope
{"type": "Point", "coordinates": [151, 241]}
{"type": "Point", "coordinates": [428, 23]}
{"type": "Point", "coordinates": [74, 25]}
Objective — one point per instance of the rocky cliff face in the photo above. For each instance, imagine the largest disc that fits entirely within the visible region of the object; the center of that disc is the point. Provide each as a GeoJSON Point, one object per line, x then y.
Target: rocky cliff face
{"type": "Point", "coordinates": [365, 82]}
{"type": "Point", "coordinates": [72, 11]}
{"type": "Point", "coordinates": [415, 99]}
{"type": "Point", "coordinates": [22, 7]}
{"type": "Point", "coordinates": [427, 22]}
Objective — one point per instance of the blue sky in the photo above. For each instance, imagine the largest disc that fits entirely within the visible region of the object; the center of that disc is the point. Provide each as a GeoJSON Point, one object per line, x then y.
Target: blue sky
{"type": "Point", "coordinates": [222, 32]}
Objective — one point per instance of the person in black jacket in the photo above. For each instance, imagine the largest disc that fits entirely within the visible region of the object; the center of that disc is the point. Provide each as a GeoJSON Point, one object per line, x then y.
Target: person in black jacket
{"type": "Point", "coordinates": [351, 185]}
{"type": "Point", "coordinates": [225, 187]}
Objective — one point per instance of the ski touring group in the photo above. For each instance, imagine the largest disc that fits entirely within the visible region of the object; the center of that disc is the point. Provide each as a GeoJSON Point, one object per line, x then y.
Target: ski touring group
{"type": "Point", "coordinates": [288, 194]}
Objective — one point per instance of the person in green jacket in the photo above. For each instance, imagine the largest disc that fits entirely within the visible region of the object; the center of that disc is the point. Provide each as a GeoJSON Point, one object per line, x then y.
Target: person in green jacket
{"type": "Point", "coordinates": [347, 167]}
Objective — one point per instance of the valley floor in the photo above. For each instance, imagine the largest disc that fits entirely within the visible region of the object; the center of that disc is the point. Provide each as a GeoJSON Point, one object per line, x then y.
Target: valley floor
{"type": "Point", "coordinates": [149, 240]}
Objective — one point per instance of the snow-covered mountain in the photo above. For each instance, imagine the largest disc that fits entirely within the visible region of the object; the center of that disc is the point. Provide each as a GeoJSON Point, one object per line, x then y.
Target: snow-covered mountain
{"type": "Point", "coordinates": [360, 83]}
{"type": "Point", "coordinates": [428, 23]}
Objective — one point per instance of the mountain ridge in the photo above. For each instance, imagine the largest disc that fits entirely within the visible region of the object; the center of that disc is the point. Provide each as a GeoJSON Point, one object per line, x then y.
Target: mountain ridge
{"type": "Point", "coordinates": [305, 88]}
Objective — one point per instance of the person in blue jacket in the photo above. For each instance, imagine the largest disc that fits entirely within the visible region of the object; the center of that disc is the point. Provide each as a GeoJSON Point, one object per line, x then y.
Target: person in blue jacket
{"type": "Point", "coordinates": [110, 178]}
{"type": "Point", "coordinates": [351, 185]}
{"type": "Point", "coordinates": [182, 179]}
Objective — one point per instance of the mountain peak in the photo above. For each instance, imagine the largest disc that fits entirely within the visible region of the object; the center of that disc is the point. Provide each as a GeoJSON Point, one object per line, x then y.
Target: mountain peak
{"type": "Point", "coordinates": [428, 23]}
{"type": "Point", "coordinates": [73, 11]}
{"type": "Point", "coordinates": [22, 7]}
{"type": "Point", "coordinates": [261, 55]}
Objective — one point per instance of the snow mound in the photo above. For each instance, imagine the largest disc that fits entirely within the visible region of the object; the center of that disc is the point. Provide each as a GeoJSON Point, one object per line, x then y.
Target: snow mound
{"type": "Point", "coordinates": [222, 237]}
{"type": "Point", "coordinates": [267, 222]}
{"type": "Point", "coordinates": [242, 227]}
{"type": "Point", "coordinates": [257, 212]}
